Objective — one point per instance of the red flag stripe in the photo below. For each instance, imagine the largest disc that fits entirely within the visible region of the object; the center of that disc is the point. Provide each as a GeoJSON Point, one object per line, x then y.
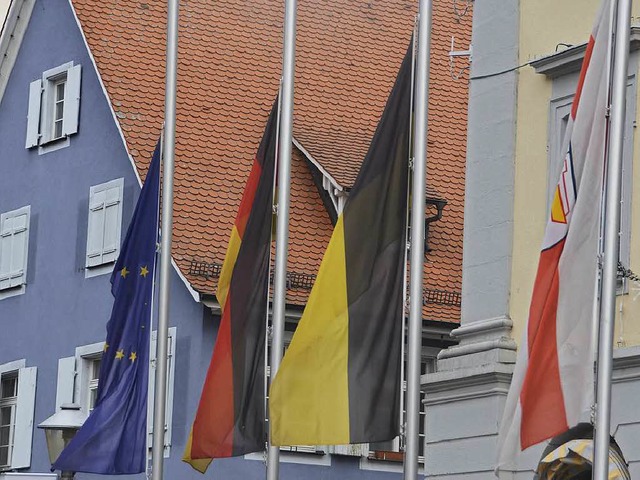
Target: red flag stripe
{"type": "Point", "coordinates": [247, 198]}
{"type": "Point", "coordinates": [583, 74]}
{"type": "Point", "coordinates": [213, 426]}
{"type": "Point", "coordinates": [541, 398]}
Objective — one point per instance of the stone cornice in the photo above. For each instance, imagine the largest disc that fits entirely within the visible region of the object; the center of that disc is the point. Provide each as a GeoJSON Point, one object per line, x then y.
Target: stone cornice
{"type": "Point", "coordinates": [570, 60]}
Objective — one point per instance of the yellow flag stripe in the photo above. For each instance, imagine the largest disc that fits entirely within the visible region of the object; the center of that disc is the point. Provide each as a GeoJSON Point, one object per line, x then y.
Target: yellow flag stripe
{"type": "Point", "coordinates": [200, 465]}
{"type": "Point", "coordinates": [315, 406]}
{"type": "Point", "coordinates": [224, 281]}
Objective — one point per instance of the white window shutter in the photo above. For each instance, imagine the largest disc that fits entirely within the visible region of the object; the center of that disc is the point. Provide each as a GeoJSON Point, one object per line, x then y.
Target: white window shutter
{"type": "Point", "coordinates": [72, 101]}
{"type": "Point", "coordinates": [33, 114]}
{"type": "Point", "coordinates": [21, 457]}
{"type": "Point", "coordinates": [6, 243]}
{"type": "Point", "coordinates": [66, 379]}
{"type": "Point", "coordinates": [14, 245]}
{"type": "Point", "coordinates": [20, 245]}
{"type": "Point", "coordinates": [95, 227]}
{"type": "Point", "coordinates": [112, 222]}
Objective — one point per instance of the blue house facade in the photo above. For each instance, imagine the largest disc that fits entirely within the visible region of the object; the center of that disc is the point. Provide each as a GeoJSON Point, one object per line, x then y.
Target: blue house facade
{"type": "Point", "coordinates": [68, 187]}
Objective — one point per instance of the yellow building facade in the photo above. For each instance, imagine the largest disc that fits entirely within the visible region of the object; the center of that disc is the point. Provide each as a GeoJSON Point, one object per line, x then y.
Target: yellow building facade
{"type": "Point", "coordinates": [526, 57]}
{"type": "Point", "coordinates": [545, 25]}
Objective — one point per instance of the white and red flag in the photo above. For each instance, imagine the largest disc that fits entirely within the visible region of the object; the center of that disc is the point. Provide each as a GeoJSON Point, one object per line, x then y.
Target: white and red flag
{"type": "Point", "coordinates": [552, 384]}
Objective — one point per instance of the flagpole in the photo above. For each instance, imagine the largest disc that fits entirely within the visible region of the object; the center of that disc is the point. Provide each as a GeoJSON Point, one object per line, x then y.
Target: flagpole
{"type": "Point", "coordinates": [611, 246]}
{"type": "Point", "coordinates": [417, 241]}
{"type": "Point", "coordinates": [160, 391]}
{"type": "Point", "coordinates": [154, 299]}
{"type": "Point", "coordinates": [282, 225]}
{"type": "Point", "coordinates": [405, 283]}
{"type": "Point", "coordinates": [268, 314]}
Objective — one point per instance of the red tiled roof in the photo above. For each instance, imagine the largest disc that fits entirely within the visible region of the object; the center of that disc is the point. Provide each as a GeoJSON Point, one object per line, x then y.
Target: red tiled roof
{"type": "Point", "coordinates": [348, 53]}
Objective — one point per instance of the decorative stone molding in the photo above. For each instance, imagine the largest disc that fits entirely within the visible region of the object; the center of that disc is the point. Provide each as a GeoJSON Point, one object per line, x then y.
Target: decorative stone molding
{"type": "Point", "coordinates": [570, 60]}
{"type": "Point", "coordinates": [481, 343]}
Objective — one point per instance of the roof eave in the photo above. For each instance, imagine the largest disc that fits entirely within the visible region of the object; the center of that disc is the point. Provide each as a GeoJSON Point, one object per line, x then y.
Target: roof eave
{"type": "Point", "coordinates": [13, 30]}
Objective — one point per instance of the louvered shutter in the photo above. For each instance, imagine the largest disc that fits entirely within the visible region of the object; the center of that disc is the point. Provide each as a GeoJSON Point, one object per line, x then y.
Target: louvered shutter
{"type": "Point", "coordinates": [14, 243]}
{"type": "Point", "coordinates": [23, 436]}
{"type": "Point", "coordinates": [33, 114]}
{"type": "Point", "coordinates": [6, 241]}
{"type": "Point", "coordinates": [66, 380]}
{"type": "Point", "coordinates": [112, 210]}
{"type": "Point", "coordinates": [95, 228]}
{"type": "Point", "coordinates": [72, 101]}
{"type": "Point", "coordinates": [104, 225]}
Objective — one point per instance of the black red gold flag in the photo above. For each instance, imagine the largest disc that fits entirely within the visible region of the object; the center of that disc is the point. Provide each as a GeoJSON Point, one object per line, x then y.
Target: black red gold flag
{"type": "Point", "coordinates": [230, 419]}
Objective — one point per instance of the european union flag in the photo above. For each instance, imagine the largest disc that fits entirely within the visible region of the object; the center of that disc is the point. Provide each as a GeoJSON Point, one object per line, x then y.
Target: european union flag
{"type": "Point", "coordinates": [113, 439]}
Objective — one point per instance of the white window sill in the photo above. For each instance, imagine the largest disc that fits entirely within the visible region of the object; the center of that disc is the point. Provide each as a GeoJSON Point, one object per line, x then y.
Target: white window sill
{"type": "Point", "coordinates": [12, 292]}
{"type": "Point", "coordinates": [53, 145]}
{"type": "Point", "coordinates": [97, 270]}
{"type": "Point", "coordinates": [302, 458]}
{"type": "Point", "coordinates": [370, 464]}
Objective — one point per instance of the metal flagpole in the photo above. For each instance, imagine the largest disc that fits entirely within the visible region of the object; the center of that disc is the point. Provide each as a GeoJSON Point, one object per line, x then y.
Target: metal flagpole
{"type": "Point", "coordinates": [405, 282]}
{"type": "Point", "coordinates": [418, 192]}
{"type": "Point", "coordinates": [154, 299]}
{"type": "Point", "coordinates": [267, 322]}
{"type": "Point", "coordinates": [157, 451]}
{"type": "Point", "coordinates": [612, 226]}
{"type": "Point", "coordinates": [282, 224]}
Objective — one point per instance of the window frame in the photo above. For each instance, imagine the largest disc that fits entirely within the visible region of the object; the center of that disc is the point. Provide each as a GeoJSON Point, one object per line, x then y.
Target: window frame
{"type": "Point", "coordinates": [12, 403]}
{"type": "Point", "coordinates": [74, 382]}
{"type": "Point", "coordinates": [85, 355]}
{"type": "Point", "coordinates": [24, 413]}
{"type": "Point", "coordinates": [41, 114]}
{"type": "Point", "coordinates": [563, 92]}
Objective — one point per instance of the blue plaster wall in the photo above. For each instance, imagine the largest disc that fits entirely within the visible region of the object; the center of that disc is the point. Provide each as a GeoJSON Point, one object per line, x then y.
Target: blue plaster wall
{"type": "Point", "coordinates": [61, 309]}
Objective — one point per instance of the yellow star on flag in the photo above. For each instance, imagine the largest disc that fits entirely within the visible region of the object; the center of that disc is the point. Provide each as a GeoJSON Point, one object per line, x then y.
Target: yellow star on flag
{"type": "Point", "coordinates": [124, 272]}
{"type": "Point", "coordinates": [144, 271]}
{"type": "Point", "coordinates": [119, 354]}
{"type": "Point", "coordinates": [106, 346]}
{"type": "Point", "coordinates": [133, 357]}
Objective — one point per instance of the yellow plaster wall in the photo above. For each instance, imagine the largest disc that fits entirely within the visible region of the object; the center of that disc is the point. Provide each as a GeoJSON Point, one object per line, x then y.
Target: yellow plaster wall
{"type": "Point", "coordinates": [543, 25]}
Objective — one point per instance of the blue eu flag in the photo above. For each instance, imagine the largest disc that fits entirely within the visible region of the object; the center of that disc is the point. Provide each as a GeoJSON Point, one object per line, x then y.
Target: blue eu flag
{"type": "Point", "coordinates": [113, 439]}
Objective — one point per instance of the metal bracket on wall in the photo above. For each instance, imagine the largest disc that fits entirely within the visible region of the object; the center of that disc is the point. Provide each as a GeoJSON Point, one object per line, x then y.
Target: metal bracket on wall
{"type": "Point", "coordinates": [453, 54]}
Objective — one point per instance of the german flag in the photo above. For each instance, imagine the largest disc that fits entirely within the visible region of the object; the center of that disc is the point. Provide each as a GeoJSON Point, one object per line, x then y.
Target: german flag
{"type": "Point", "coordinates": [339, 381]}
{"type": "Point", "coordinates": [230, 420]}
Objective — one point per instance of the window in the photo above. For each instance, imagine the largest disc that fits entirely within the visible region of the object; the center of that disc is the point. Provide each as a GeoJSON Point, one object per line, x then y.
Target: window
{"type": "Point", "coordinates": [560, 107]}
{"type": "Point", "coordinates": [392, 451]}
{"type": "Point", "coordinates": [17, 402]}
{"type": "Point", "coordinates": [54, 105]}
{"type": "Point", "coordinates": [300, 454]}
{"type": "Point", "coordinates": [104, 226]}
{"type": "Point", "coordinates": [79, 377]}
{"type": "Point", "coordinates": [92, 387]}
{"type": "Point", "coordinates": [8, 403]}
{"type": "Point", "coordinates": [14, 243]}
